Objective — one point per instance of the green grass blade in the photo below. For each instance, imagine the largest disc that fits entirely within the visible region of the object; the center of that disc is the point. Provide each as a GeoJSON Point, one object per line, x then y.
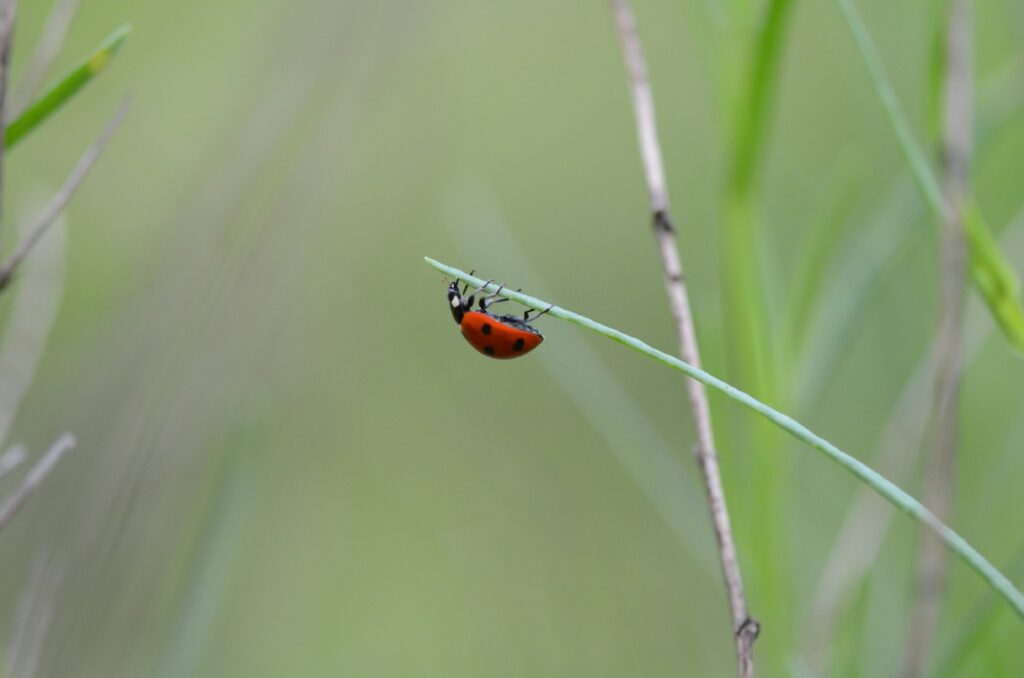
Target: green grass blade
{"type": "Point", "coordinates": [751, 345]}
{"type": "Point", "coordinates": [826, 231]}
{"type": "Point", "coordinates": [747, 314]}
{"type": "Point", "coordinates": [61, 93]}
{"type": "Point", "coordinates": [994, 278]}
{"type": "Point", "coordinates": [888, 490]}
{"type": "Point", "coordinates": [753, 110]}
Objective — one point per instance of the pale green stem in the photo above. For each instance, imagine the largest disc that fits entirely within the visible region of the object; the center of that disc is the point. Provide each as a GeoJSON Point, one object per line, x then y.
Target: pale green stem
{"type": "Point", "coordinates": [896, 496]}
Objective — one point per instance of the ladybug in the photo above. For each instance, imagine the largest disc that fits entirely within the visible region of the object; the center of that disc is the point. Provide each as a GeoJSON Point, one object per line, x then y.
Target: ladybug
{"type": "Point", "coordinates": [496, 336]}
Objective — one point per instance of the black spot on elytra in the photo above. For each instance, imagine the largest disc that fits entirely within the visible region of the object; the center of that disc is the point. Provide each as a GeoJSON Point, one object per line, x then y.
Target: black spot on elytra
{"type": "Point", "coordinates": [486, 328]}
{"type": "Point", "coordinates": [518, 346]}
{"type": "Point", "coordinates": [489, 350]}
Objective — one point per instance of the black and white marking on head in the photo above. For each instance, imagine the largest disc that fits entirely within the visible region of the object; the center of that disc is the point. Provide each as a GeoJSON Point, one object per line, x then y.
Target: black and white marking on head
{"type": "Point", "coordinates": [455, 302]}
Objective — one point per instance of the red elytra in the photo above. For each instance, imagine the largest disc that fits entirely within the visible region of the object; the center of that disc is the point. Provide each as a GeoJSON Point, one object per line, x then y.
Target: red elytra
{"type": "Point", "coordinates": [496, 336]}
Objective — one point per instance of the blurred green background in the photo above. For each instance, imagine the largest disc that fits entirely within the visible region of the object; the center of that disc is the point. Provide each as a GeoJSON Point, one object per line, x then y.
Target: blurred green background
{"type": "Point", "coordinates": [289, 462]}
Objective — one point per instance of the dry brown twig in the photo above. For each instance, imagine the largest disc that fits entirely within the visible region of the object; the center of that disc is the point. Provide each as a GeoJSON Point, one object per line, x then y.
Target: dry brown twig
{"type": "Point", "coordinates": [940, 466]}
{"type": "Point", "coordinates": [745, 628]}
{"type": "Point", "coordinates": [62, 197]}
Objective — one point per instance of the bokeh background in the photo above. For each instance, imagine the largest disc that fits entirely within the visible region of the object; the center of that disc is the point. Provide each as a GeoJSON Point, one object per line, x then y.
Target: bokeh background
{"type": "Point", "coordinates": [289, 462]}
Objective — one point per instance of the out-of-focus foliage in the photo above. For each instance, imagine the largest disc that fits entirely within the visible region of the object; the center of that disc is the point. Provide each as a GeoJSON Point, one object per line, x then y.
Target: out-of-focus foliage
{"type": "Point", "coordinates": [289, 463]}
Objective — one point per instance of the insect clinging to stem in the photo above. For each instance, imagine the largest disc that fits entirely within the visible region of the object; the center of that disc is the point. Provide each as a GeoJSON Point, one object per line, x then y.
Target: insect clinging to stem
{"type": "Point", "coordinates": [496, 336]}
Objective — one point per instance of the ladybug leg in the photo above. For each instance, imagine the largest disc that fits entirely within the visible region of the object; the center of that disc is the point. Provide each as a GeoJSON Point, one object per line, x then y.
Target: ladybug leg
{"type": "Point", "coordinates": [527, 318]}
{"type": "Point", "coordinates": [469, 301]}
{"type": "Point", "coordinates": [486, 301]}
{"type": "Point", "coordinates": [479, 289]}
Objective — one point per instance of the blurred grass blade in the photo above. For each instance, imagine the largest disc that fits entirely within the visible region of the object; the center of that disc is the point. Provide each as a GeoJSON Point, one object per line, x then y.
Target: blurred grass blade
{"type": "Point", "coordinates": [993, 276]}
{"type": "Point", "coordinates": [825, 231]}
{"type": "Point", "coordinates": [33, 313]}
{"type": "Point", "coordinates": [12, 503]}
{"type": "Point", "coordinates": [973, 628]}
{"type": "Point", "coordinates": [938, 16]}
{"type": "Point", "coordinates": [35, 230]}
{"type": "Point", "coordinates": [45, 52]}
{"type": "Point", "coordinates": [62, 92]}
{"type": "Point", "coordinates": [755, 103]}
{"type": "Point", "coordinates": [207, 574]}
{"type": "Point", "coordinates": [915, 157]}
{"type": "Point", "coordinates": [751, 345]}
{"type": "Point", "coordinates": [884, 487]}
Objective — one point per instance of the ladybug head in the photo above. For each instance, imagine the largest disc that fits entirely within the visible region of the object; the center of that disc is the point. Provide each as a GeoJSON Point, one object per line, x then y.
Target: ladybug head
{"type": "Point", "coordinates": [455, 302]}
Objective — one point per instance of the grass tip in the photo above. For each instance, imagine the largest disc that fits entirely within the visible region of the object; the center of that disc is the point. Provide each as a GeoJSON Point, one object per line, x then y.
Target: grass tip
{"type": "Point", "coordinates": [111, 46]}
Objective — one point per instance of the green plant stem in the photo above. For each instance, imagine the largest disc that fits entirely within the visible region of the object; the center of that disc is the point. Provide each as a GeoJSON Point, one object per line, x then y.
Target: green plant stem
{"type": "Point", "coordinates": [888, 490]}
{"type": "Point", "coordinates": [991, 272]}
{"type": "Point", "coordinates": [751, 118]}
{"type": "Point", "coordinates": [751, 127]}
{"type": "Point", "coordinates": [750, 341]}
{"type": "Point", "coordinates": [50, 102]}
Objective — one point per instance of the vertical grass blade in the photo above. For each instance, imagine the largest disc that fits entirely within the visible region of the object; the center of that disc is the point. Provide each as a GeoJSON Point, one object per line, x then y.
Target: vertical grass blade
{"type": "Point", "coordinates": [750, 342]}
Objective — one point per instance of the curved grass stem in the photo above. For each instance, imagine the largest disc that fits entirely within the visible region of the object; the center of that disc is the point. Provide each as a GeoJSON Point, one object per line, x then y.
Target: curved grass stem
{"type": "Point", "coordinates": [888, 490]}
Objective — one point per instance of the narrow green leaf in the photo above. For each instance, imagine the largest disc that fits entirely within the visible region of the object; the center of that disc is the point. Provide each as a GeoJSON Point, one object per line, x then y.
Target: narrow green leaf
{"type": "Point", "coordinates": [994, 277]}
{"type": "Point", "coordinates": [754, 105]}
{"type": "Point", "coordinates": [887, 489]}
{"type": "Point", "coordinates": [62, 92]}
